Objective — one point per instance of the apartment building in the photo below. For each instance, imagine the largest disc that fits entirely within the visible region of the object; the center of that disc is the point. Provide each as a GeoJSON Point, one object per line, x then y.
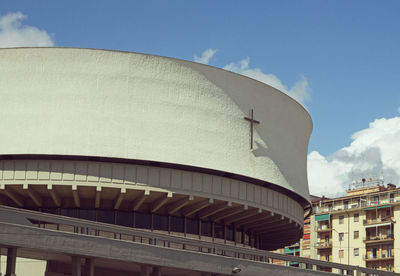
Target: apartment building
{"type": "Point", "coordinates": [359, 228]}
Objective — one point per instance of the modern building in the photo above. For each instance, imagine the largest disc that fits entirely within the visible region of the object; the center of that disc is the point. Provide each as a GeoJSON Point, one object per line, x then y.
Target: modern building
{"type": "Point", "coordinates": [360, 228]}
{"type": "Point", "coordinates": [105, 152]}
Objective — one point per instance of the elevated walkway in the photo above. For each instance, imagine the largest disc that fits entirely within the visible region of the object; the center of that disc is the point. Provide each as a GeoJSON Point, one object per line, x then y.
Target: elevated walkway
{"type": "Point", "coordinates": [92, 247]}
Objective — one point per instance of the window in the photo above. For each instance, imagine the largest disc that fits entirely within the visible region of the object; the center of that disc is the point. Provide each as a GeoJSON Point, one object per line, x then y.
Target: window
{"type": "Point", "coordinates": [160, 222]}
{"type": "Point", "coordinates": [88, 214]}
{"type": "Point", "coordinates": [125, 218]}
{"type": "Point", "coordinates": [192, 226]}
{"type": "Point", "coordinates": [326, 258]}
{"type": "Point", "coordinates": [356, 234]}
{"type": "Point", "coordinates": [177, 224]}
{"type": "Point", "coordinates": [206, 228]}
{"type": "Point", "coordinates": [106, 216]}
{"type": "Point", "coordinates": [356, 217]}
{"type": "Point", "coordinates": [330, 207]}
{"type": "Point", "coordinates": [356, 251]}
{"type": "Point", "coordinates": [219, 230]}
{"type": "Point", "coordinates": [376, 199]}
{"type": "Point", "coordinates": [346, 205]}
{"type": "Point", "coordinates": [341, 254]}
{"type": "Point", "coordinates": [341, 219]}
{"type": "Point", "coordinates": [388, 267]}
{"type": "Point", "coordinates": [341, 236]}
{"type": "Point", "coordinates": [143, 220]}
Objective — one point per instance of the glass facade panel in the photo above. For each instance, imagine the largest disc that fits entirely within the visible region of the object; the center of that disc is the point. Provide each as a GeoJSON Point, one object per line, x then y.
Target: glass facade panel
{"type": "Point", "coordinates": [192, 226]}
{"type": "Point", "coordinates": [50, 210]}
{"type": "Point", "coordinates": [106, 216]}
{"type": "Point", "coordinates": [69, 213]}
{"type": "Point", "coordinates": [177, 224]}
{"type": "Point", "coordinates": [124, 218]}
{"type": "Point", "coordinates": [206, 228]}
{"type": "Point", "coordinates": [219, 231]}
{"type": "Point", "coordinates": [143, 220]}
{"type": "Point", "coordinates": [160, 222]}
{"type": "Point", "coordinates": [88, 214]}
{"type": "Point", "coordinates": [229, 233]}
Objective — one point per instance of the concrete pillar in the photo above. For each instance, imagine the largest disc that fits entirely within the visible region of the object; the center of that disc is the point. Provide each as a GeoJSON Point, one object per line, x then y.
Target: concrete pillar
{"type": "Point", "coordinates": [76, 266]}
{"type": "Point", "coordinates": [11, 261]}
{"type": "Point", "coordinates": [89, 267]}
{"type": "Point", "coordinates": [145, 270]}
{"type": "Point", "coordinates": [0, 263]}
{"type": "Point", "coordinates": [156, 271]}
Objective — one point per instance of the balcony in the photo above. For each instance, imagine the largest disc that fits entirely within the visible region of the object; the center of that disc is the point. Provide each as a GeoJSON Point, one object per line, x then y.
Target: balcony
{"type": "Point", "coordinates": [354, 205]}
{"type": "Point", "coordinates": [323, 245]}
{"type": "Point", "coordinates": [377, 221]}
{"type": "Point", "coordinates": [378, 257]}
{"type": "Point", "coordinates": [379, 239]}
{"type": "Point", "coordinates": [323, 228]}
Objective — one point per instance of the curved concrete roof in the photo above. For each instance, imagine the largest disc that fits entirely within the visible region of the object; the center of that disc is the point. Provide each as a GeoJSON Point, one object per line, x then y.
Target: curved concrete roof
{"type": "Point", "coordinates": [84, 102]}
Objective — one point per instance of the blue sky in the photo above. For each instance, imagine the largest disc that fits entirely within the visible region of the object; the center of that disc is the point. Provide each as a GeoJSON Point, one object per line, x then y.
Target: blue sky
{"type": "Point", "coordinates": [342, 57]}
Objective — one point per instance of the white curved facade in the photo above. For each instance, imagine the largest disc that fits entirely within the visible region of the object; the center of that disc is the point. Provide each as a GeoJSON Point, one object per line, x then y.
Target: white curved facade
{"type": "Point", "coordinates": [82, 102]}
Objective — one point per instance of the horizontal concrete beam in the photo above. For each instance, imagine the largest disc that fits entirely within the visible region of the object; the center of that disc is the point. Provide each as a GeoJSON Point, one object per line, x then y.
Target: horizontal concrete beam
{"type": "Point", "coordinates": [88, 246]}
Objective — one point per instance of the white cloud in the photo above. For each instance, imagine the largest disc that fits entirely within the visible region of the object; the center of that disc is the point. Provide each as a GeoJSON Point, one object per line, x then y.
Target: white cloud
{"type": "Point", "coordinates": [14, 34]}
{"type": "Point", "coordinates": [205, 56]}
{"type": "Point", "coordinates": [300, 91]}
{"type": "Point", "coordinates": [374, 152]}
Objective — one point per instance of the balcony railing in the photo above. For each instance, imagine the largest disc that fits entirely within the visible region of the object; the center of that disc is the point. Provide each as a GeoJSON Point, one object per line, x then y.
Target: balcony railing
{"type": "Point", "coordinates": [377, 220]}
{"type": "Point", "coordinates": [323, 228]}
{"type": "Point", "coordinates": [378, 257]}
{"type": "Point", "coordinates": [321, 245]}
{"type": "Point", "coordinates": [377, 239]}
{"type": "Point", "coordinates": [327, 209]}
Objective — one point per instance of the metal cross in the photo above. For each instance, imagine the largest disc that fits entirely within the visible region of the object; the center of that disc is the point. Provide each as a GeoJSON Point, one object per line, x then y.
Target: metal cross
{"type": "Point", "coordinates": [252, 122]}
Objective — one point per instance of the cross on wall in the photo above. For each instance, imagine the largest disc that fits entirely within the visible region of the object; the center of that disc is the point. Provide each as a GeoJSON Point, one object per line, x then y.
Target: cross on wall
{"type": "Point", "coordinates": [252, 122]}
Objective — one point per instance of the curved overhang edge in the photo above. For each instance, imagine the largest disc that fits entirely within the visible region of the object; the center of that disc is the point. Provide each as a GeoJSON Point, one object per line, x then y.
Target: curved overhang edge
{"type": "Point", "coordinates": [304, 202]}
{"type": "Point", "coordinates": [179, 60]}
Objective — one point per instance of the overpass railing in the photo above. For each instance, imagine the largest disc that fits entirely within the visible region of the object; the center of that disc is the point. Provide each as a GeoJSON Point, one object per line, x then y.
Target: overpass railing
{"type": "Point", "coordinates": [83, 227]}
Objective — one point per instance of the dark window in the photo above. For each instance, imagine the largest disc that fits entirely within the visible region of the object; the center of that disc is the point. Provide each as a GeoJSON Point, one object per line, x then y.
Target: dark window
{"type": "Point", "coordinates": [143, 220]}
{"type": "Point", "coordinates": [239, 235]}
{"type": "Point", "coordinates": [106, 216]}
{"type": "Point", "coordinates": [229, 233]}
{"type": "Point", "coordinates": [50, 210]}
{"type": "Point", "coordinates": [69, 213]}
{"type": "Point", "coordinates": [87, 214]}
{"type": "Point", "coordinates": [177, 224]}
{"type": "Point", "coordinates": [206, 228]}
{"type": "Point", "coordinates": [192, 226]}
{"type": "Point", "coordinates": [219, 231]}
{"type": "Point", "coordinates": [160, 222]}
{"type": "Point", "coordinates": [125, 218]}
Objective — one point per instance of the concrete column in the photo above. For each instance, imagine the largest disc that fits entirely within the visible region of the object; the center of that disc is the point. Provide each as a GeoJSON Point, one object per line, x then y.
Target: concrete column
{"type": "Point", "coordinates": [89, 267]}
{"type": "Point", "coordinates": [76, 266]}
{"type": "Point", "coordinates": [145, 270]}
{"type": "Point", "coordinates": [0, 263]}
{"type": "Point", "coordinates": [11, 261]}
{"type": "Point", "coordinates": [156, 271]}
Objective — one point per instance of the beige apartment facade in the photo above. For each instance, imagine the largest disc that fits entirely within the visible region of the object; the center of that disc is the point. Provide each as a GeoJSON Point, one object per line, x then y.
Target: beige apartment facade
{"type": "Point", "coordinates": [359, 229]}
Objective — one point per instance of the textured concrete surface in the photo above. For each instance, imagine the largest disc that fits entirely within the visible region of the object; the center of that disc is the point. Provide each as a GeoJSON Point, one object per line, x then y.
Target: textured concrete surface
{"type": "Point", "coordinates": [135, 106]}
